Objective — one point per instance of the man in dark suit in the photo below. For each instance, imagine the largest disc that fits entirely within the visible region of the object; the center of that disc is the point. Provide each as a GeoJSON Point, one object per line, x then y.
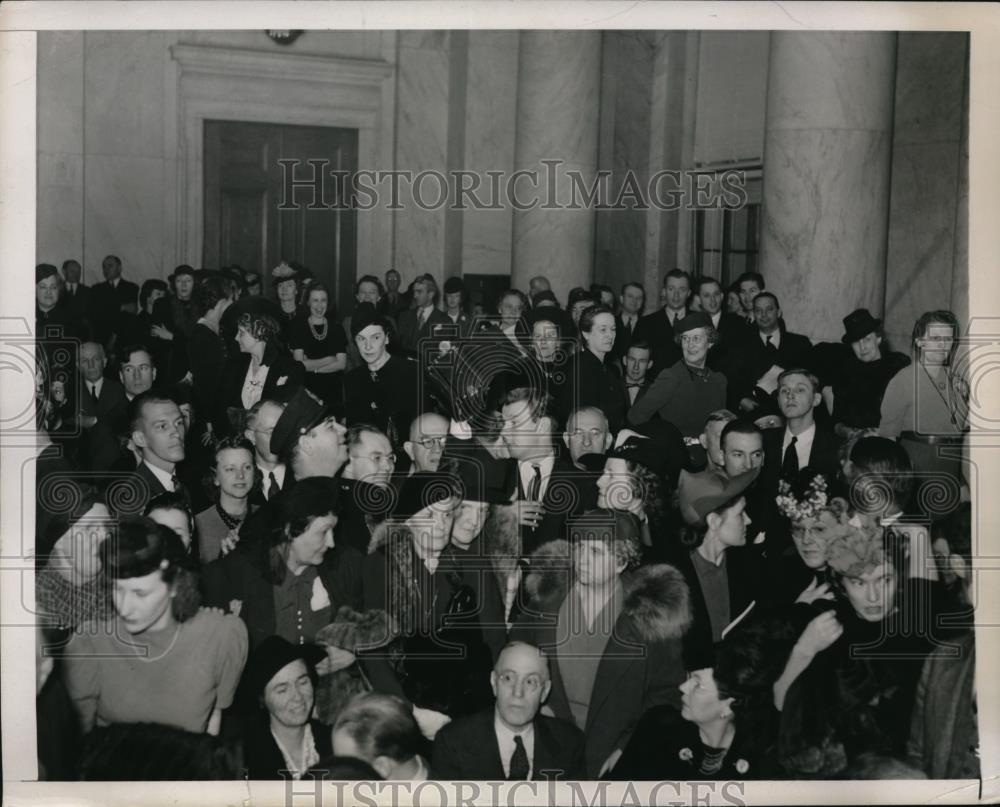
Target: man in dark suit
{"type": "Point", "coordinates": [632, 300]}
{"type": "Point", "coordinates": [731, 328]}
{"type": "Point", "coordinates": [100, 410]}
{"type": "Point", "coordinates": [512, 741]}
{"type": "Point", "coordinates": [75, 294]}
{"type": "Point", "coordinates": [547, 481]}
{"type": "Point", "coordinates": [802, 443]}
{"type": "Point", "coordinates": [658, 328]}
{"type": "Point", "coordinates": [417, 323]}
{"type": "Point", "coordinates": [639, 371]}
{"type": "Point", "coordinates": [157, 430]}
{"type": "Point", "coordinates": [112, 298]}
{"type": "Point", "coordinates": [766, 351]}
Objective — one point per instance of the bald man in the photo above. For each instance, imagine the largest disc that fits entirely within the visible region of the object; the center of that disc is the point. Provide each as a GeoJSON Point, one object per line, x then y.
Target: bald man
{"type": "Point", "coordinates": [513, 740]}
{"type": "Point", "coordinates": [427, 436]}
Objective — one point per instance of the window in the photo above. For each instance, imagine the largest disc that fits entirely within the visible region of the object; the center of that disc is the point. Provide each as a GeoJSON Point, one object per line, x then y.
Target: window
{"type": "Point", "coordinates": [727, 240]}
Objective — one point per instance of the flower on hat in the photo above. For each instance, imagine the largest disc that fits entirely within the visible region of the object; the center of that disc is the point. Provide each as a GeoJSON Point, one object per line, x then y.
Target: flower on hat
{"type": "Point", "coordinates": [282, 270]}
{"type": "Point", "coordinates": [686, 754]}
{"type": "Point", "coordinates": [742, 766]}
{"type": "Point", "coordinates": [857, 547]}
{"type": "Point", "coordinates": [815, 500]}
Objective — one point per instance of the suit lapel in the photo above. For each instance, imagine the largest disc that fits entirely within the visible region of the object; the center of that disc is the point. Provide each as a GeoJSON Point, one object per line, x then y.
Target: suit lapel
{"type": "Point", "coordinates": [489, 750]}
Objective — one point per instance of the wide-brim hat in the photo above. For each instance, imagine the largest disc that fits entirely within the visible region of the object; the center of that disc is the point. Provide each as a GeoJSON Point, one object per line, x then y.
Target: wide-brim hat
{"type": "Point", "coordinates": [274, 654]}
{"type": "Point", "coordinates": [858, 324]}
{"type": "Point", "coordinates": [700, 494]}
{"type": "Point", "coordinates": [423, 489]}
{"type": "Point", "coordinates": [301, 413]}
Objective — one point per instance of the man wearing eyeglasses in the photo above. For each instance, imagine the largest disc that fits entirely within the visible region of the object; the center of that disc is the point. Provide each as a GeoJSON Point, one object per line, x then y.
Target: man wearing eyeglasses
{"type": "Point", "coordinates": [427, 437]}
{"type": "Point", "coordinates": [365, 496]}
{"type": "Point", "coordinates": [260, 422]}
{"type": "Point", "coordinates": [512, 741]}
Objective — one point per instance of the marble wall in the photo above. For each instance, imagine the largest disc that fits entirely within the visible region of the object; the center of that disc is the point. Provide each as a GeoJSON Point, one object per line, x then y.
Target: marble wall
{"type": "Point", "coordinates": [927, 260]}
{"type": "Point", "coordinates": [110, 151]}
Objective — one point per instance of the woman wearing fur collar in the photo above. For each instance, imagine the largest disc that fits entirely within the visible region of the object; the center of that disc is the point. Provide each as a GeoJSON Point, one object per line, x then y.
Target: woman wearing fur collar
{"type": "Point", "coordinates": [438, 660]}
{"type": "Point", "coordinates": [613, 634]}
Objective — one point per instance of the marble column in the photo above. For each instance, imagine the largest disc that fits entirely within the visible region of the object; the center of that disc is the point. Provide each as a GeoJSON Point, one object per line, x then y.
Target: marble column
{"type": "Point", "coordinates": [827, 153]}
{"type": "Point", "coordinates": [558, 105]}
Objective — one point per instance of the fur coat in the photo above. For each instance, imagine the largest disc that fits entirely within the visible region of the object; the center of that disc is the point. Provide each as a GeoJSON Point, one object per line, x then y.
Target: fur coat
{"type": "Point", "coordinates": [642, 664]}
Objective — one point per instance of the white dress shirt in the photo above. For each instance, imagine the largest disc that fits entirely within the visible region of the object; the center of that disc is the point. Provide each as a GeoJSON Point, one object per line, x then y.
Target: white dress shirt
{"type": "Point", "coordinates": [165, 477]}
{"type": "Point", "coordinates": [96, 386]}
{"type": "Point", "coordinates": [279, 476]}
{"type": "Point", "coordinates": [505, 741]}
{"type": "Point", "coordinates": [526, 468]}
{"type": "Point", "coordinates": [803, 446]}
{"type": "Point", "coordinates": [253, 385]}
{"type": "Point", "coordinates": [774, 336]}
{"type": "Point", "coordinates": [716, 319]}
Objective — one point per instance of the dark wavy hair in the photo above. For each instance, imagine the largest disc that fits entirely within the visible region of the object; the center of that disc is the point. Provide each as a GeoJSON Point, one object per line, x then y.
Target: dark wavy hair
{"type": "Point", "coordinates": [209, 289]}
{"type": "Point", "coordinates": [140, 547]}
{"type": "Point", "coordinates": [296, 510]}
{"type": "Point", "coordinates": [617, 529]}
{"type": "Point", "coordinates": [147, 288]}
{"type": "Point", "coordinates": [233, 441]}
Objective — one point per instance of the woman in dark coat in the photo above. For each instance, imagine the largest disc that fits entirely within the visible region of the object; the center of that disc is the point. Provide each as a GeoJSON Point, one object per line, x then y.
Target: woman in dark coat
{"type": "Point", "coordinates": [292, 583]}
{"type": "Point", "coordinates": [613, 635]}
{"type": "Point", "coordinates": [722, 572]}
{"type": "Point", "coordinates": [597, 380]}
{"type": "Point", "coordinates": [282, 740]}
{"type": "Point", "coordinates": [265, 370]}
{"type": "Point", "coordinates": [727, 724]}
{"type": "Point", "coordinates": [438, 659]}
{"type": "Point", "coordinates": [850, 683]}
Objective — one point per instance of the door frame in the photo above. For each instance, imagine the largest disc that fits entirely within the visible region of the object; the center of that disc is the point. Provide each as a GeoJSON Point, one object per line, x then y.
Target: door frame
{"type": "Point", "coordinates": [261, 87]}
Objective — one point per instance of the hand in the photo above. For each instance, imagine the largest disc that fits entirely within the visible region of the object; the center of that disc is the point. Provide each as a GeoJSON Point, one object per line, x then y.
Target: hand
{"type": "Point", "coordinates": [430, 721]}
{"type": "Point", "coordinates": [161, 332]}
{"type": "Point", "coordinates": [229, 542]}
{"type": "Point", "coordinates": [748, 404]}
{"type": "Point", "coordinates": [815, 591]}
{"type": "Point", "coordinates": [610, 762]}
{"type": "Point", "coordinates": [768, 422]}
{"type": "Point", "coordinates": [206, 438]}
{"type": "Point", "coordinates": [336, 659]}
{"type": "Point", "coordinates": [530, 513]}
{"type": "Point", "coordinates": [88, 421]}
{"type": "Point", "coordinates": [235, 606]}
{"type": "Point", "coordinates": [819, 634]}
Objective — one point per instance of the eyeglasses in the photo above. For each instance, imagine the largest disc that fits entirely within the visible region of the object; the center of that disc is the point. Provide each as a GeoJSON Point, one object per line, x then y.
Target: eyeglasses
{"type": "Point", "coordinates": [593, 434]}
{"type": "Point", "coordinates": [532, 683]}
{"type": "Point", "coordinates": [694, 339]}
{"type": "Point", "coordinates": [431, 442]}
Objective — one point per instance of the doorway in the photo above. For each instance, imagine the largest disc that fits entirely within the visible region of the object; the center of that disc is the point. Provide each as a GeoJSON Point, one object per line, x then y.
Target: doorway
{"type": "Point", "coordinates": [271, 194]}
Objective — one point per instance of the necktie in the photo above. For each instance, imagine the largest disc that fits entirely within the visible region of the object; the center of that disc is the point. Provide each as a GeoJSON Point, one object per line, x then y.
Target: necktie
{"type": "Point", "coordinates": [535, 485]}
{"type": "Point", "coordinates": [272, 486]}
{"type": "Point", "coordinates": [93, 392]}
{"type": "Point", "coordinates": [628, 327]}
{"type": "Point", "coordinates": [790, 463]}
{"type": "Point", "coordinates": [420, 318]}
{"type": "Point", "coordinates": [773, 348]}
{"type": "Point", "coordinates": [518, 761]}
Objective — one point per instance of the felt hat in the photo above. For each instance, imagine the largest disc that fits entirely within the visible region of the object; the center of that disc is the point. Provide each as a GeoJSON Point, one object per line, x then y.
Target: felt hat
{"type": "Point", "coordinates": [274, 654]}
{"type": "Point", "coordinates": [695, 319]}
{"type": "Point", "coordinates": [858, 324]}
{"type": "Point", "coordinates": [453, 285]}
{"type": "Point", "coordinates": [700, 494]}
{"type": "Point", "coordinates": [423, 489]}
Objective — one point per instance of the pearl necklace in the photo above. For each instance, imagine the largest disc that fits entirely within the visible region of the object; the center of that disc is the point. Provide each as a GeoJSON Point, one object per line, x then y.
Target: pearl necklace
{"type": "Point", "coordinates": [320, 334]}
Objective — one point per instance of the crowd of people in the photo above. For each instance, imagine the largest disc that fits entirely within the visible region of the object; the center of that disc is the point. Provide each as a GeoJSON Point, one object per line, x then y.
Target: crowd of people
{"type": "Point", "coordinates": [428, 541]}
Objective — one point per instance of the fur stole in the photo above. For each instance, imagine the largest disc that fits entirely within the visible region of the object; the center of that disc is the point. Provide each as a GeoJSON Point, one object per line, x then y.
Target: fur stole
{"type": "Point", "coordinates": [656, 604]}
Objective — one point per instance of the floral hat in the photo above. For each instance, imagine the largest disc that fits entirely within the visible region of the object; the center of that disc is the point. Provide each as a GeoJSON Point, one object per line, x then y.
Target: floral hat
{"type": "Point", "coordinates": [857, 548]}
